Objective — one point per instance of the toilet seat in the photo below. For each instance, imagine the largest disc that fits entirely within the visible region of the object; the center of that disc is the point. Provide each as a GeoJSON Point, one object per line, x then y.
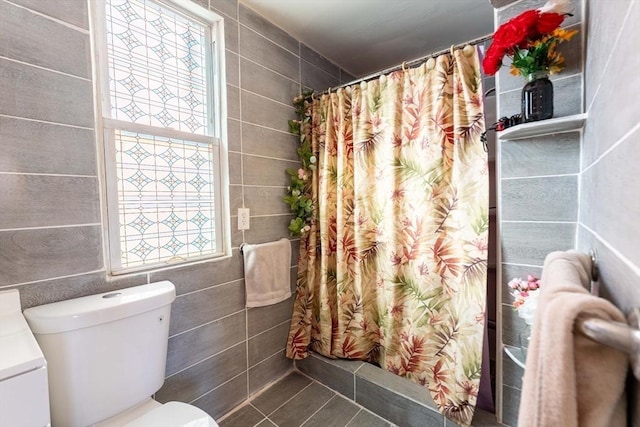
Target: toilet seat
{"type": "Point", "coordinates": [174, 414]}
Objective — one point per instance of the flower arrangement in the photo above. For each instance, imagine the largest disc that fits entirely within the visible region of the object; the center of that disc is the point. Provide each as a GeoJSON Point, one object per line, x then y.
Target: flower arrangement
{"type": "Point", "coordinates": [530, 40]}
{"type": "Point", "coordinates": [299, 190]}
{"type": "Point", "coordinates": [525, 295]}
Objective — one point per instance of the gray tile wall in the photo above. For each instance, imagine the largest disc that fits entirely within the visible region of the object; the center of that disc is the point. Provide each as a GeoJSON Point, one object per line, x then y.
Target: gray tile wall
{"type": "Point", "coordinates": [51, 233]}
{"type": "Point", "coordinates": [609, 212]}
{"type": "Point", "coordinates": [538, 199]}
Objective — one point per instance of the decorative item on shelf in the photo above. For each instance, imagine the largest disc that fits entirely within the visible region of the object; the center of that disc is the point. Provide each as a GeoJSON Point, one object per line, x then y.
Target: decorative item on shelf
{"type": "Point", "coordinates": [537, 97]}
{"type": "Point", "coordinates": [525, 301]}
{"type": "Point", "coordinates": [525, 297]}
{"type": "Point", "coordinates": [502, 124]}
{"type": "Point", "coordinates": [530, 40]}
{"type": "Point", "coordinates": [299, 196]}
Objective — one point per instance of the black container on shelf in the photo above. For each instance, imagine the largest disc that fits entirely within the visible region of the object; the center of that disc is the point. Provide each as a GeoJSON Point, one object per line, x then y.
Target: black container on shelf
{"type": "Point", "coordinates": [537, 98]}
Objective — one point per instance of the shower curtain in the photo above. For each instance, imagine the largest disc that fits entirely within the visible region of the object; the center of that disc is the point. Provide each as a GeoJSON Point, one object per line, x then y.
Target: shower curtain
{"type": "Point", "coordinates": [393, 270]}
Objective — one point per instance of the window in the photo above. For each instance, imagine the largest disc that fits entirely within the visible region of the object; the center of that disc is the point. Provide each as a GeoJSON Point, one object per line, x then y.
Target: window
{"type": "Point", "coordinates": [164, 158]}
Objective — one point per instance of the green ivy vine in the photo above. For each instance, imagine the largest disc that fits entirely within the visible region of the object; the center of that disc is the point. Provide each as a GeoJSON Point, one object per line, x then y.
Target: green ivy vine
{"type": "Point", "coordinates": [299, 196]}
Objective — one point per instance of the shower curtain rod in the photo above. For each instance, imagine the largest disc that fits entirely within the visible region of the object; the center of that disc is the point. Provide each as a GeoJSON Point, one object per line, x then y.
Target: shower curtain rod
{"type": "Point", "coordinates": [412, 63]}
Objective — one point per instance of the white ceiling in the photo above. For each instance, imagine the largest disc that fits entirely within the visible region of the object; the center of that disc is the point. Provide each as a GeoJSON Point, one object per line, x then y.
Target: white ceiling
{"type": "Point", "coordinates": [365, 36]}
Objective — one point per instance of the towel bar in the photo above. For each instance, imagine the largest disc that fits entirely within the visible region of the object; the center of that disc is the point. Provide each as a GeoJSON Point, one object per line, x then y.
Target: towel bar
{"type": "Point", "coordinates": [625, 338]}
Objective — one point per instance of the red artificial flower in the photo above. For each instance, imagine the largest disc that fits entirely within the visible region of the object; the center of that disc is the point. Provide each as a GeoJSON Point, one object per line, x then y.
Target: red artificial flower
{"type": "Point", "coordinates": [527, 21]}
{"type": "Point", "coordinates": [516, 31]}
{"type": "Point", "coordinates": [547, 22]}
{"type": "Point", "coordinates": [492, 59]}
{"type": "Point", "coordinates": [510, 34]}
{"type": "Point", "coordinates": [526, 32]}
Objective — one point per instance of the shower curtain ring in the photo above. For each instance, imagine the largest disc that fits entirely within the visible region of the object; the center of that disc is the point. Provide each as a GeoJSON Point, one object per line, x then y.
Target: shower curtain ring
{"type": "Point", "coordinates": [404, 63]}
{"type": "Point", "coordinates": [452, 46]}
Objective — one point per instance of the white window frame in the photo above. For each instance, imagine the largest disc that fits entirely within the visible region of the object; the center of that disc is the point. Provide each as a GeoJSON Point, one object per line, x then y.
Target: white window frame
{"type": "Point", "coordinates": [216, 137]}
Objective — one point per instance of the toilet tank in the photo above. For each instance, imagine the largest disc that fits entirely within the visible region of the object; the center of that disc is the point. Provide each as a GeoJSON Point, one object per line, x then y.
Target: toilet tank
{"type": "Point", "coordinates": [105, 353]}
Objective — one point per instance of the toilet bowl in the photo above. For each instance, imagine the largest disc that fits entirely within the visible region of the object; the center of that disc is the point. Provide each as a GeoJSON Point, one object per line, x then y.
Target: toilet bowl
{"type": "Point", "coordinates": [106, 357]}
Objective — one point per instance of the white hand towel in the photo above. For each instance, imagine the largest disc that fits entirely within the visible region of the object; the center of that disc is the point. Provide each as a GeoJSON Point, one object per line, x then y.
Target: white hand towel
{"type": "Point", "coordinates": [267, 269]}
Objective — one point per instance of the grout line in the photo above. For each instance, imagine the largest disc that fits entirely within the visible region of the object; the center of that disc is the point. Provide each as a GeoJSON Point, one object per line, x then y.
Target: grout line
{"type": "Point", "coordinates": [617, 253]}
{"type": "Point", "coordinates": [268, 99]}
{"type": "Point", "coordinates": [612, 52]}
{"type": "Point", "coordinates": [264, 416]}
{"type": "Point", "coordinates": [263, 186]}
{"type": "Point", "coordinates": [205, 359]}
{"type": "Point", "coordinates": [300, 85]}
{"type": "Point", "coordinates": [354, 417]}
{"type": "Point", "coordinates": [621, 141]}
{"type": "Point", "coordinates": [233, 411]}
{"type": "Point", "coordinates": [53, 278]}
{"type": "Point", "coordinates": [270, 158]}
{"type": "Point", "coordinates": [322, 69]}
{"type": "Point", "coordinates": [48, 122]}
{"type": "Point", "coordinates": [355, 382]}
{"type": "Point", "coordinates": [85, 79]}
{"type": "Point", "coordinates": [89, 224]}
{"type": "Point", "coordinates": [541, 176]}
{"type": "Point", "coordinates": [504, 221]}
{"type": "Point", "coordinates": [329, 388]}
{"type": "Point", "coordinates": [267, 68]}
{"type": "Point", "coordinates": [215, 388]}
{"type": "Point", "coordinates": [51, 18]}
{"type": "Point", "coordinates": [319, 409]}
{"type": "Point", "coordinates": [267, 127]}
{"type": "Point", "coordinates": [270, 215]}
{"type": "Point", "coordinates": [290, 399]}
{"type": "Point", "coordinates": [280, 351]}
{"type": "Point", "coordinates": [521, 265]}
{"type": "Point", "coordinates": [263, 360]}
{"type": "Point", "coordinates": [264, 37]}
{"type": "Point", "coordinates": [210, 287]}
{"type": "Point", "coordinates": [48, 174]}
{"type": "Point", "coordinates": [270, 329]}
{"type": "Point", "coordinates": [554, 81]}
{"type": "Point", "coordinates": [207, 323]}
{"type": "Point", "coordinates": [242, 232]}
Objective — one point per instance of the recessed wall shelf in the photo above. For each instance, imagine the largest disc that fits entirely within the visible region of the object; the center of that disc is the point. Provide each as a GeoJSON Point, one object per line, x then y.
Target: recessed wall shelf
{"type": "Point", "coordinates": [543, 127]}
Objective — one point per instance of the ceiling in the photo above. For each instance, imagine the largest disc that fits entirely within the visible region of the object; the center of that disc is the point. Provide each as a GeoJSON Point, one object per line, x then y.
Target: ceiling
{"type": "Point", "coordinates": [365, 36]}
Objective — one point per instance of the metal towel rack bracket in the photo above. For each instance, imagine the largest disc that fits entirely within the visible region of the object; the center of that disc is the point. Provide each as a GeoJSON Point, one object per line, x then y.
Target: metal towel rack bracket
{"type": "Point", "coordinates": [618, 335]}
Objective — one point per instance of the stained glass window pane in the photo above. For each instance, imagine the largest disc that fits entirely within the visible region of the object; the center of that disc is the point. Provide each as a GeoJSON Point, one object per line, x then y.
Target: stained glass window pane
{"type": "Point", "coordinates": [163, 179]}
{"type": "Point", "coordinates": [157, 66]}
{"type": "Point", "coordinates": [165, 198]}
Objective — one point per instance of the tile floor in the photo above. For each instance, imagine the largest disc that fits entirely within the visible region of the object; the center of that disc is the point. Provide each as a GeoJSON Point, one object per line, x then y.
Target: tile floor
{"type": "Point", "coordinates": [297, 400]}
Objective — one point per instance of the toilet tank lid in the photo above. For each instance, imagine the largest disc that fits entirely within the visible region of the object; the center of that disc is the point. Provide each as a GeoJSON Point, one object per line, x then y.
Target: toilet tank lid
{"type": "Point", "coordinates": [98, 309]}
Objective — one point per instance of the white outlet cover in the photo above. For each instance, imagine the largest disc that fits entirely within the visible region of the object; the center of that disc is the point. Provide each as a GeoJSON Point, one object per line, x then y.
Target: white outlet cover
{"type": "Point", "coordinates": [243, 218]}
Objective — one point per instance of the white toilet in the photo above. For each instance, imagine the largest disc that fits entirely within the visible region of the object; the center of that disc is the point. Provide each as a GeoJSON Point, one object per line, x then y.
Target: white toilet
{"type": "Point", "coordinates": [106, 357]}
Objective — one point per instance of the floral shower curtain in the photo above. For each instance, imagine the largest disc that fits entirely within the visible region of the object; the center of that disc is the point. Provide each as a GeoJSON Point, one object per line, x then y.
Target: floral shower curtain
{"type": "Point", "coordinates": [393, 270]}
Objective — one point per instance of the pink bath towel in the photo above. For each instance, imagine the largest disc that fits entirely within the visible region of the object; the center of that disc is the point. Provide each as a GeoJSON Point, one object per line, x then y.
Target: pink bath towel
{"type": "Point", "coordinates": [570, 380]}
